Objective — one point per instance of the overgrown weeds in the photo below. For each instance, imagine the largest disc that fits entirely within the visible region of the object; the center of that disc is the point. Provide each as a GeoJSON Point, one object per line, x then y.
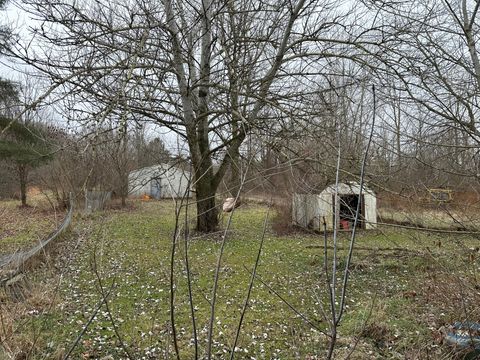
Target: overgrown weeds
{"type": "Point", "coordinates": [404, 287]}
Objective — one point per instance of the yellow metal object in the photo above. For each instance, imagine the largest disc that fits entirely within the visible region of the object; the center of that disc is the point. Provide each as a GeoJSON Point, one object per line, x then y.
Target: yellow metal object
{"type": "Point", "coordinates": [440, 195]}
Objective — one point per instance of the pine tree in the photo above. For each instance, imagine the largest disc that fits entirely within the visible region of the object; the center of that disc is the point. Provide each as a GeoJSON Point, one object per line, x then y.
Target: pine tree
{"type": "Point", "coordinates": [24, 145]}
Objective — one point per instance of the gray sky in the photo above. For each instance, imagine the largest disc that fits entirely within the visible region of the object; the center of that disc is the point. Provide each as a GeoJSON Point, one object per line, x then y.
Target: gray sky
{"type": "Point", "coordinates": [19, 20]}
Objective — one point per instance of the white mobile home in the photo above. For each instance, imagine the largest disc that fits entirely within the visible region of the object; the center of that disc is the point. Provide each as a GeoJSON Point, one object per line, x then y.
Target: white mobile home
{"type": "Point", "coordinates": [159, 181]}
{"type": "Point", "coordinates": [309, 210]}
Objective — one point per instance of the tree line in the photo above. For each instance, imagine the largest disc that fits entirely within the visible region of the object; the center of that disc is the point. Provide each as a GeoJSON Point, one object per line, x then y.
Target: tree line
{"type": "Point", "coordinates": [293, 77]}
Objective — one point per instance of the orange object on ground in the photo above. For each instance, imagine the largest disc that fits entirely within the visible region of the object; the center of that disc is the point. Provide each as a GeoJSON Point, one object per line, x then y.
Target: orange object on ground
{"type": "Point", "coordinates": [345, 224]}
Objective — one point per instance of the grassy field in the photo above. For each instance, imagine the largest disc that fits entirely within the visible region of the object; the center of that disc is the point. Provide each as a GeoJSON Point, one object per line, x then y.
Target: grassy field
{"type": "Point", "coordinates": [22, 226]}
{"type": "Point", "coordinates": [405, 285]}
{"type": "Point", "coordinates": [441, 218]}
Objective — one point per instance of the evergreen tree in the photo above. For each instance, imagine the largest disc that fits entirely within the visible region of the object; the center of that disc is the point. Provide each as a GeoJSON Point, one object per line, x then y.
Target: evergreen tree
{"type": "Point", "coordinates": [25, 146]}
{"type": "Point", "coordinates": [22, 144]}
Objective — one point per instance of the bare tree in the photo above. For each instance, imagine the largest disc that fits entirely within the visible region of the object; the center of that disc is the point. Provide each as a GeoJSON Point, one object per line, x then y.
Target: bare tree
{"type": "Point", "coordinates": [207, 70]}
{"type": "Point", "coordinates": [433, 60]}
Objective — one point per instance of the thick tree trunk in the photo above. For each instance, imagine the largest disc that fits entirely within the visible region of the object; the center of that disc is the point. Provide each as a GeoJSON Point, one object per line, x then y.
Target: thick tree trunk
{"type": "Point", "coordinates": [207, 213]}
{"type": "Point", "coordinates": [205, 181]}
{"type": "Point", "coordinates": [22, 177]}
{"type": "Point", "coordinates": [206, 186]}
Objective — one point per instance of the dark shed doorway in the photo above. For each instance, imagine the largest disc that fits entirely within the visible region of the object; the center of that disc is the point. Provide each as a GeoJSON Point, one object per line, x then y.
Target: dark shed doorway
{"type": "Point", "coordinates": [347, 211]}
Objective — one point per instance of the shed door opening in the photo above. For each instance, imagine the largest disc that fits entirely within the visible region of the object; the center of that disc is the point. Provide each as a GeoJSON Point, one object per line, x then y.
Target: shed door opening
{"type": "Point", "coordinates": [156, 188]}
{"type": "Point", "coordinates": [348, 209]}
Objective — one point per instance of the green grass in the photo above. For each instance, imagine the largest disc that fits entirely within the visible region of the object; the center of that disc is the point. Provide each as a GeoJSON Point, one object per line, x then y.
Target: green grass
{"type": "Point", "coordinates": [437, 218]}
{"type": "Point", "coordinates": [133, 249]}
{"type": "Point", "coordinates": [22, 227]}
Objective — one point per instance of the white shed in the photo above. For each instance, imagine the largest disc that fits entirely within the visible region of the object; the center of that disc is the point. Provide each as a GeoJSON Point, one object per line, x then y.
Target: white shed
{"type": "Point", "coordinates": [309, 210]}
{"type": "Point", "coordinates": [158, 181]}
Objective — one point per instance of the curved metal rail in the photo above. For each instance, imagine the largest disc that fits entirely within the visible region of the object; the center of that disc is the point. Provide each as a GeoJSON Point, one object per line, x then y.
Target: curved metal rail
{"type": "Point", "coordinates": [13, 264]}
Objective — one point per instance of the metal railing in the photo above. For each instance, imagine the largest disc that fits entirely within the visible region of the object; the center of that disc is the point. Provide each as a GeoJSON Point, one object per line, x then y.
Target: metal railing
{"type": "Point", "coordinates": [12, 265]}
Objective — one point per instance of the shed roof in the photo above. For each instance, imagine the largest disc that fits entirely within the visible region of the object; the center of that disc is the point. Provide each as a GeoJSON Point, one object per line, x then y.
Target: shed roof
{"type": "Point", "coordinates": [347, 188]}
{"type": "Point", "coordinates": [157, 169]}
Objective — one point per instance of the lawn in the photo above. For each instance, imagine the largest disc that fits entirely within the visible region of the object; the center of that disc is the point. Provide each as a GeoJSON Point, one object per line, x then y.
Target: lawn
{"type": "Point", "coordinates": [440, 218]}
{"type": "Point", "coordinates": [404, 286]}
{"type": "Point", "coordinates": [20, 227]}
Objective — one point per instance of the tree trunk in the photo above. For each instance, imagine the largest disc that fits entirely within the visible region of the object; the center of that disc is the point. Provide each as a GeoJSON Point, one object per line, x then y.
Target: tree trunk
{"type": "Point", "coordinates": [205, 181]}
{"type": "Point", "coordinates": [124, 162]}
{"type": "Point", "coordinates": [234, 183]}
{"type": "Point", "coordinates": [22, 177]}
{"type": "Point", "coordinates": [124, 188]}
{"type": "Point", "coordinates": [207, 213]}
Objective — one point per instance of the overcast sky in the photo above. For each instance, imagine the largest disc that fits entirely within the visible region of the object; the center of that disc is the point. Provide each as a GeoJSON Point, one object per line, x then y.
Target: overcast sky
{"type": "Point", "coordinates": [10, 69]}
{"type": "Point", "coordinates": [18, 20]}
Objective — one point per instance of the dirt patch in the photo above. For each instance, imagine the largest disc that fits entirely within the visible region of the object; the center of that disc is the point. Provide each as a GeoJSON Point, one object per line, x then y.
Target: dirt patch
{"type": "Point", "coordinates": [379, 333]}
